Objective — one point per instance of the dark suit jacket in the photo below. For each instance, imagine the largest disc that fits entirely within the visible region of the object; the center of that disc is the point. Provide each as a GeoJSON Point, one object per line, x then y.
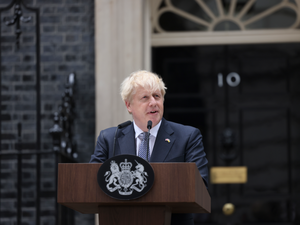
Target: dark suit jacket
{"type": "Point", "coordinates": [185, 146]}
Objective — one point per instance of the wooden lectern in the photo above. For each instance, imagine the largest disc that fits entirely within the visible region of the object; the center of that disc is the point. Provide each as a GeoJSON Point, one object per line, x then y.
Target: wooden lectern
{"type": "Point", "coordinates": [177, 188]}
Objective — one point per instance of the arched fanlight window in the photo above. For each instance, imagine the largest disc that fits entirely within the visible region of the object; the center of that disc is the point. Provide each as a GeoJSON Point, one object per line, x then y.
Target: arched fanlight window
{"type": "Point", "coordinates": [229, 18]}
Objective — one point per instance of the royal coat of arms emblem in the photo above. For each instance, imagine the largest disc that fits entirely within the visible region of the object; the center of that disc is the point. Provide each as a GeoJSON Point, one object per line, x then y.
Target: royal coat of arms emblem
{"type": "Point", "coordinates": [125, 177]}
{"type": "Point", "coordinates": [126, 181]}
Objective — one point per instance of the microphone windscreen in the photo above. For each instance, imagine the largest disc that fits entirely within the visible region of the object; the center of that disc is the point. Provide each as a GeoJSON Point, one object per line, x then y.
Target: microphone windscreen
{"type": "Point", "coordinates": [125, 124]}
{"type": "Point", "coordinates": [149, 124]}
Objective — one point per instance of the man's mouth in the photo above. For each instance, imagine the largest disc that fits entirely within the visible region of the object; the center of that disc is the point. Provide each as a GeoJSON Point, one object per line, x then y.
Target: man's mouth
{"type": "Point", "coordinates": [152, 112]}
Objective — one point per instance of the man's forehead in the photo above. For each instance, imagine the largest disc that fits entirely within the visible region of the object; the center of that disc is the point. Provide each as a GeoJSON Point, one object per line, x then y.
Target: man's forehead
{"type": "Point", "coordinates": [146, 89]}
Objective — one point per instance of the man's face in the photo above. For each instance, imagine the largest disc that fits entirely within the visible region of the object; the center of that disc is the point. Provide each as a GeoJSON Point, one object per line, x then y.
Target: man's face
{"type": "Point", "coordinates": [146, 105]}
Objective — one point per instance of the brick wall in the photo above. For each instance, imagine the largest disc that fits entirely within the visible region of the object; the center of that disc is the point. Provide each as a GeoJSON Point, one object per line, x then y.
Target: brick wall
{"type": "Point", "coordinates": [66, 45]}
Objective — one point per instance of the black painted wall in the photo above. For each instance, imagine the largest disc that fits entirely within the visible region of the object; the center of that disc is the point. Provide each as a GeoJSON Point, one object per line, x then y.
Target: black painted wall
{"type": "Point", "coordinates": [66, 45]}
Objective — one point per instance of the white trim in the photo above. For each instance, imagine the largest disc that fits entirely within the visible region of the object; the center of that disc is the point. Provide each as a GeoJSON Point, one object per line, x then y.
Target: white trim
{"type": "Point", "coordinates": [232, 37]}
{"type": "Point", "coordinates": [146, 35]}
{"type": "Point", "coordinates": [119, 50]}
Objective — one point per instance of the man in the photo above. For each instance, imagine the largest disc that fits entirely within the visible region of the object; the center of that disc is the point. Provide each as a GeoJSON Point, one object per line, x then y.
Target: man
{"type": "Point", "coordinates": [143, 93]}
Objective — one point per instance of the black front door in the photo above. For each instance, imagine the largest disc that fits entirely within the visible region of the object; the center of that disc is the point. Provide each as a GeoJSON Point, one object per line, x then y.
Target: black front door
{"type": "Point", "coordinates": [245, 99]}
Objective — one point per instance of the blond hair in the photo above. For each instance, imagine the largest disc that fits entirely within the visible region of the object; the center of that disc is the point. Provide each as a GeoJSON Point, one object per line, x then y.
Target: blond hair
{"type": "Point", "coordinates": [143, 79]}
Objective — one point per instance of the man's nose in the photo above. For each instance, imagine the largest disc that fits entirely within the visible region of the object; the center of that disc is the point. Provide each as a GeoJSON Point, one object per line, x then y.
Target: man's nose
{"type": "Point", "coordinates": [152, 101]}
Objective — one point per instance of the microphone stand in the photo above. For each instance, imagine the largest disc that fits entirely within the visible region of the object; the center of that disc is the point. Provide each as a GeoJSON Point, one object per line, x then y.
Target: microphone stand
{"type": "Point", "coordinates": [149, 126]}
{"type": "Point", "coordinates": [122, 125]}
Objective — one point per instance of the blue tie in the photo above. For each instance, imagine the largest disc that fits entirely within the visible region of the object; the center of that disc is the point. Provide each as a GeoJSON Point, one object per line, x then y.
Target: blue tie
{"type": "Point", "coordinates": [143, 146]}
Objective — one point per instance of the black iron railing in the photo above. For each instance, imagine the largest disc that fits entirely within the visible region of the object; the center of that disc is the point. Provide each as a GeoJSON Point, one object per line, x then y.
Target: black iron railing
{"type": "Point", "coordinates": [64, 151]}
{"type": "Point", "coordinates": [61, 214]}
{"type": "Point", "coordinates": [15, 19]}
{"type": "Point", "coordinates": [27, 192]}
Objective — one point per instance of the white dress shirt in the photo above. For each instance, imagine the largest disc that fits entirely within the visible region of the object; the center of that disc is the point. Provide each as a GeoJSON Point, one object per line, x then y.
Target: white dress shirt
{"type": "Point", "coordinates": [153, 134]}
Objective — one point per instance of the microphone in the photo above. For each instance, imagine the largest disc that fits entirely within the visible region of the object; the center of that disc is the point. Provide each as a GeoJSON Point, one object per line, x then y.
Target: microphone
{"type": "Point", "coordinates": [122, 125]}
{"type": "Point", "coordinates": [149, 126]}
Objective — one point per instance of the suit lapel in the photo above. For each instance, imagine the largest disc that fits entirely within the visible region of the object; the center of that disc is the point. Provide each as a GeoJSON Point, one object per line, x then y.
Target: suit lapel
{"type": "Point", "coordinates": [163, 143]}
{"type": "Point", "coordinates": [127, 141]}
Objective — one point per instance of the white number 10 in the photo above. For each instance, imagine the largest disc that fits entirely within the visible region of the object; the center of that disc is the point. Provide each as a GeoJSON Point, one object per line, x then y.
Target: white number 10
{"type": "Point", "coordinates": [232, 79]}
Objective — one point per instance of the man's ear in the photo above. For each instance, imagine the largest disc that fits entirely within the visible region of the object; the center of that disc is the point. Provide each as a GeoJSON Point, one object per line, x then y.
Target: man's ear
{"type": "Point", "coordinates": [128, 106]}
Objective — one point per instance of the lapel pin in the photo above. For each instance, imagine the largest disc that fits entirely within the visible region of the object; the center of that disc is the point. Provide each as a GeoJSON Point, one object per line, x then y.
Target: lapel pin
{"type": "Point", "coordinates": [168, 140]}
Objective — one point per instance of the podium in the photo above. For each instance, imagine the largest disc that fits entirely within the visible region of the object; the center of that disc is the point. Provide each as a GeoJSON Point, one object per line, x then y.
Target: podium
{"type": "Point", "coordinates": [177, 188]}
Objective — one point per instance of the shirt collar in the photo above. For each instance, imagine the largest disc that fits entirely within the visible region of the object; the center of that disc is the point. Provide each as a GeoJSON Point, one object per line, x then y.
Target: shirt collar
{"type": "Point", "coordinates": [153, 131]}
